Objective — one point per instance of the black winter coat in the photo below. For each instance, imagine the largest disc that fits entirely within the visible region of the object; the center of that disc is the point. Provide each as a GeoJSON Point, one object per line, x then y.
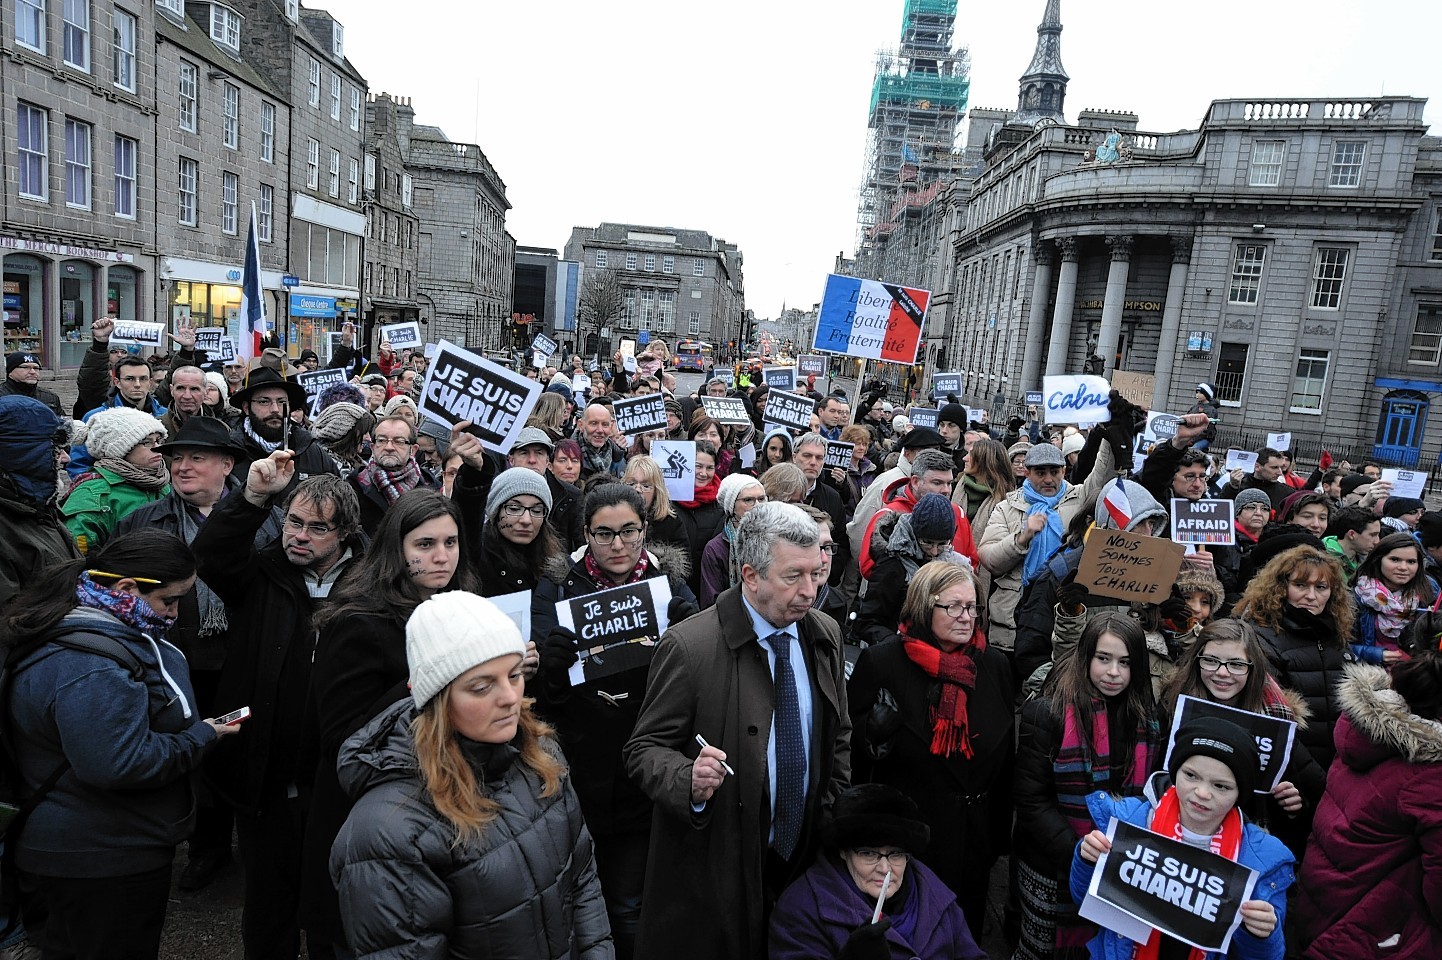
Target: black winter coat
{"type": "Point", "coordinates": [825, 498]}
{"type": "Point", "coordinates": [701, 522]}
{"type": "Point", "coordinates": [1312, 666]}
{"type": "Point", "coordinates": [527, 888]}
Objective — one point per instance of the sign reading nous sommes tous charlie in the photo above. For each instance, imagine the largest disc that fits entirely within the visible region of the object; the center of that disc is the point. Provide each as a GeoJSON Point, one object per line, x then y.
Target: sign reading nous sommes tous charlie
{"type": "Point", "coordinates": [871, 319]}
{"type": "Point", "coordinates": [461, 385]}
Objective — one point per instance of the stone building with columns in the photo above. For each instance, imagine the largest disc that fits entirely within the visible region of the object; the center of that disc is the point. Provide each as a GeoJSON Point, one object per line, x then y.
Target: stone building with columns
{"type": "Point", "coordinates": [1286, 251]}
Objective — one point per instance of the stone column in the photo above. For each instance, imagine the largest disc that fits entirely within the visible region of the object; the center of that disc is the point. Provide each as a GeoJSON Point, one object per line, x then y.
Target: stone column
{"type": "Point", "coordinates": [1065, 306]}
{"type": "Point", "coordinates": [1116, 295]}
{"type": "Point", "coordinates": [1171, 320]}
{"type": "Point", "coordinates": [1036, 320]}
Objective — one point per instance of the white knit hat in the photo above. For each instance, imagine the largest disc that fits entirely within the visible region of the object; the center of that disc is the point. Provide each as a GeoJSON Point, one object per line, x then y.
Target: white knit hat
{"type": "Point", "coordinates": [731, 488]}
{"type": "Point", "coordinates": [115, 431]}
{"type": "Point", "coordinates": [451, 633]}
{"type": "Point", "coordinates": [217, 380]}
{"type": "Point", "coordinates": [514, 482]}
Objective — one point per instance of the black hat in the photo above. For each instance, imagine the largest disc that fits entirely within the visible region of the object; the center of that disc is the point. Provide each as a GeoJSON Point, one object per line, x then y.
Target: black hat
{"type": "Point", "coordinates": [875, 815]}
{"type": "Point", "coordinates": [1396, 506]}
{"type": "Point", "coordinates": [1278, 539]}
{"type": "Point", "coordinates": [919, 438]}
{"type": "Point", "coordinates": [210, 432]}
{"type": "Point", "coordinates": [307, 355]}
{"type": "Point", "coordinates": [263, 376]}
{"type": "Point", "coordinates": [1221, 740]}
{"type": "Point", "coordinates": [1352, 481]}
{"type": "Point", "coordinates": [953, 413]}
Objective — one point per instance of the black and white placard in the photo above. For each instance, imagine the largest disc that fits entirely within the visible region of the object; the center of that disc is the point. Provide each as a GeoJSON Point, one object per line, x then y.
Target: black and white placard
{"type": "Point", "coordinates": [726, 410]}
{"type": "Point", "coordinates": [779, 378]}
{"type": "Point", "coordinates": [316, 381]}
{"type": "Point", "coordinates": [461, 385]}
{"type": "Point", "coordinates": [640, 414]}
{"type": "Point", "coordinates": [138, 332]}
{"type": "Point", "coordinates": [618, 629]}
{"type": "Point", "coordinates": [838, 454]}
{"type": "Point", "coordinates": [544, 345]}
{"type": "Point", "coordinates": [1273, 735]}
{"type": "Point", "coordinates": [403, 336]}
{"type": "Point", "coordinates": [945, 383]}
{"type": "Point", "coordinates": [790, 409]}
{"type": "Point", "coordinates": [1203, 521]}
{"type": "Point", "coordinates": [923, 417]}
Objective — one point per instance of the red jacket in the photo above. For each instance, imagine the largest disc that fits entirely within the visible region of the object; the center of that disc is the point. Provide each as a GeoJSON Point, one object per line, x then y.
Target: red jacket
{"type": "Point", "coordinates": [1373, 870]}
{"type": "Point", "coordinates": [898, 498]}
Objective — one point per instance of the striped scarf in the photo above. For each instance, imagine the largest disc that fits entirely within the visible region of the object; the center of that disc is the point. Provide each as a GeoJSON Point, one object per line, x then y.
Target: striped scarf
{"type": "Point", "coordinates": [1080, 770]}
{"type": "Point", "coordinates": [391, 483]}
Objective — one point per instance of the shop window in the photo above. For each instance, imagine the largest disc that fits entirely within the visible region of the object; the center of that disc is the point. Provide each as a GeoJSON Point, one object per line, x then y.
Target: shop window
{"type": "Point", "coordinates": [24, 287]}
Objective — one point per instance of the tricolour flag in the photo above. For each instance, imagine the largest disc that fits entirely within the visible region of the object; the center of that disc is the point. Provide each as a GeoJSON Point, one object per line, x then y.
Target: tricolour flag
{"type": "Point", "coordinates": [252, 300]}
{"type": "Point", "coordinates": [1118, 505]}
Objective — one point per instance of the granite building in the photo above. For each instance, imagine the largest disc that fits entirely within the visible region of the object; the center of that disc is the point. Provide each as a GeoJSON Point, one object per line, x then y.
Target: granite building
{"type": "Point", "coordinates": [391, 224]}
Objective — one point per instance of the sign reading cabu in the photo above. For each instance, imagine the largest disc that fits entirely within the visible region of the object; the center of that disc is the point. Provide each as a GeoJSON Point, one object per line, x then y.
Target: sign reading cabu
{"type": "Point", "coordinates": [1075, 398]}
{"type": "Point", "coordinates": [871, 319]}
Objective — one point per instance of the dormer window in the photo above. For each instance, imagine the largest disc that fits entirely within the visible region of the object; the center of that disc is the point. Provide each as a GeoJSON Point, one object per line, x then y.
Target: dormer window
{"type": "Point", "coordinates": [176, 7]}
{"type": "Point", "coordinates": [337, 41]}
{"type": "Point", "coordinates": [225, 27]}
{"type": "Point", "coordinates": [292, 10]}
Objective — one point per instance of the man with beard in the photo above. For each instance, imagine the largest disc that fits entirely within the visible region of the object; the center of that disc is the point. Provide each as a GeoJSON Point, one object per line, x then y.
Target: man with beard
{"type": "Point", "coordinates": [266, 398]}
{"type": "Point", "coordinates": [392, 471]}
{"type": "Point", "coordinates": [187, 398]}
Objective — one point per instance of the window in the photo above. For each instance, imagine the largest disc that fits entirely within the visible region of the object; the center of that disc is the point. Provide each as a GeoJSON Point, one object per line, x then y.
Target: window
{"type": "Point", "coordinates": [1427, 335]}
{"type": "Point", "coordinates": [189, 87]}
{"type": "Point", "coordinates": [668, 310]}
{"type": "Point", "coordinates": [693, 323]}
{"type": "Point", "coordinates": [601, 259]}
{"type": "Point", "coordinates": [668, 264]}
{"type": "Point", "coordinates": [265, 213]}
{"type": "Point", "coordinates": [77, 164]}
{"type": "Point", "coordinates": [327, 256]}
{"type": "Point", "coordinates": [33, 141]}
{"type": "Point", "coordinates": [1266, 167]}
{"type": "Point", "coordinates": [698, 268]}
{"type": "Point", "coordinates": [370, 180]}
{"type": "Point", "coordinates": [314, 82]}
{"type": "Point", "coordinates": [335, 97]}
{"type": "Point", "coordinates": [355, 108]}
{"type": "Point", "coordinates": [125, 151]}
{"type": "Point", "coordinates": [77, 34]}
{"type": "Point", "coordinates": [1231, 372]}
{"type": "Point", "coordinates": [189, 174]}
{"type": "Point", "coordinates": [335, 173]}
{"type": "Point", "coordinates": [407, 190]}
{"type": "Point", "coordinates": [1437, 238]}
{"type": "Point", "coordinates": [1247, 273]}
{"type": "Point", "coordinates": [267, 132]}
{"type": "Point", "coordinates": [1347, 158]}
{"type": "Point", "coordinates": [30, 24]}
{"type": "Point", "coordinates": [225, 27]}
{"type": "Point", "coordinates": [629, 315]}
{"type": "Point", "coordinates": [176, 7]}
{"type": "Point", "coordinates": [648, 308]}
{"type": "Point", "coordinates": [650, 263]}
{"type": "Point", "coordinates": [337, 40]}
{"type": "Point", "coordinates": [630, 261]}
{"type": "Point", "coordinates": [124, 50]}
{"type": "Point", "coordinates": [292, 10]}
{"type": "Point", "coordinates": [232, 116]}
{"type": "Point", "coordinates": [229, 203]}
{"type": "Point", "coordinates": [1329, 270]}
{"type": "Point", "coordinates": [1310, 384]}
{"type": "Point", "coordinates": [353, 181]}
{"type": "Point", "coordinates": [312, 165]}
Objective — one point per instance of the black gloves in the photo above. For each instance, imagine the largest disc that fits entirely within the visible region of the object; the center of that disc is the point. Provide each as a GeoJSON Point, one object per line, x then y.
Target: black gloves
{"type": "Point", "coordinates": [1071, 598]}
{"type": "Point", "coordinates": [882, 722]}
{"type": "Point", "coordinates": [1176, 614]}
{"type": "Point", "coordinates": [1121, 430]}
{"type": "Point", "coordinates": [867, 942]}
{"type": "Point", "coordinates": [557, 652]}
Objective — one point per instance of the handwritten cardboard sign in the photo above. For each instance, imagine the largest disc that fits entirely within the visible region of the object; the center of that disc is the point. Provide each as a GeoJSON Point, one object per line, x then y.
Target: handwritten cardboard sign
{"type": "Point", "coordinates": [402, 336]}
{"type": "Point", "coordinates": [1273, 735]}
{"type": "Point", "coordinates": [1203, 521]}
{"type": "Point", "coordinates": [677, 459]}
{"type": "Point", "coordinates": [640, 414]}
{"type": "Point", "coordinates": [1149, 882]}
{"type": "Point", "coordinates": [726, 410]}
{"type": "Point", "coordinates": [1075, 398]}
{"type": "Point", "coordinates": [618, 628]}
{"type": "Point", "coordinates": [779, 378]}
{"type": "Point", "coordinates": [1136, 387]}
{"type": "Point", "coordinates": [138, 331]}
{"type": "Point", "coordinates": [790, 409]}
{"type": "Point", "coordinates": [461, 385]}
{"type": "Point", "coordinates": [1129, 566]}
{"type": "Point", "coordinates": [316, 381]}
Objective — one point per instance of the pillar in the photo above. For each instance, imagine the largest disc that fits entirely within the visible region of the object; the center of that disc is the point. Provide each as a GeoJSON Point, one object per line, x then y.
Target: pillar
{"type": "Point", "coordinates": [1171, 320]}
{"type": "Point", "coordinates": [1116, 295]}
{"type": "Point", "coordinates": [1065, 306]}
{"type": "Point", "coordinates": [1036, 321]}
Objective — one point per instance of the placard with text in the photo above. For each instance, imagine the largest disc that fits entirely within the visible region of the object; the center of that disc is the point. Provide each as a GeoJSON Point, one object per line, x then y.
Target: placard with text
{"type": "Point", "coordinates": [461, 385]}
{"type": "Point", "coordinates": [790, 409]}
{"type": "Point", "coordinates": [402, 336]}
{"type": "Point", "coordinates": [618, 629]}
{"type": "Point", "coordinates": [640, 414]}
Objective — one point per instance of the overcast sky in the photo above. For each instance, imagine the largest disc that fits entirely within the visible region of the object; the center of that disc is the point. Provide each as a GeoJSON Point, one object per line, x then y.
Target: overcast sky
{"type": "Point", "coordinates": [747, 118]}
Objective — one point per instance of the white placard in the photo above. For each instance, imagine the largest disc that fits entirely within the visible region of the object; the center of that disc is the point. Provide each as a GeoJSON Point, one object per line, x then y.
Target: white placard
{"type": "Point", "coordinates": [1241, 460]}
{"type": "Point", "coordinates": [678, 465]}
{"type": "Point", "coordinates": [430, 350]}
{"type": "Point", "coordinates": [543, 345]}
{"type": "Point", "coordinates": [580, 383]}
{"type": "Point", "coordinates": [628, 363]}
{"type": "Point", "coordinates": [1406, 483]}
{"type": "Point", "coordinates": [1075, 398]}
{"type": "Point", "coordinates": [517, 606]}
{"type": "Point", "coordinates": [461, 385]}
{"type": "Point", "coordinates": [975, 415]}
{"type": "Point", "coordinates": [747, 455]}
{"type": "Point", "coordinates": [402, 336]}
{"type": "Point", "coordinates": [138, 331]}
{"type": "Point", "coordinates": [1279, 441]}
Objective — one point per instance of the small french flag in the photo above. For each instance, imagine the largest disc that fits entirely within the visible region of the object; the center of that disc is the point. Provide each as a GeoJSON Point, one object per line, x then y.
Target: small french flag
{"type": "Point", "coordinates": [1118, 505]}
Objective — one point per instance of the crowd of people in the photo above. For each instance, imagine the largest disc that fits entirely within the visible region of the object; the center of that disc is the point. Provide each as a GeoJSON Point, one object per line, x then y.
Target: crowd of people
{"type": "Point", "coordinates": [335, 641]}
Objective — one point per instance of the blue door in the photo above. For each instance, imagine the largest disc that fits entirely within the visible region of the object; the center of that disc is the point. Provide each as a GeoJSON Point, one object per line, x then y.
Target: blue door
{"type": "Point", "coordinates": [1399, 432]}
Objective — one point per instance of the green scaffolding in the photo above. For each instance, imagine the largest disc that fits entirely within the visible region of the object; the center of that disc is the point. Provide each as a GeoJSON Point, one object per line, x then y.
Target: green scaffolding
{"type": "Point", "coordinates": [910, 89]}
{"type": "Point", "coordinates": [936, 8]}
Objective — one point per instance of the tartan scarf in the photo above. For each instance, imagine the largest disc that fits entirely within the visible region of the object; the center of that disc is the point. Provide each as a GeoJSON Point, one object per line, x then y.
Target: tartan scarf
{"type": "Point", "coordinates": [950, 726]}
{"type": "Point", "coordinates": [1080, 770]}
{"type": "Point", "coordinates": [391, 483]}
{"type": "Point", "coordinates": [1167, 821]}
{"type": "Point", "coordinates": [601, 578]}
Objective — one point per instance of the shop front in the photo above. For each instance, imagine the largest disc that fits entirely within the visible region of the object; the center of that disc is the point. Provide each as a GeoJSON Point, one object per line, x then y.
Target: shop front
{"type": "Point", "coordinates": [207, 294]}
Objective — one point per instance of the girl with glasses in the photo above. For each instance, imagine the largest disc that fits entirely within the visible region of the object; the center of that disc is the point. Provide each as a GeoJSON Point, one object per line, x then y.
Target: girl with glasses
{"type": "Point", "coordinates": [663, 519]}
{"type": "Point", "coordinates": [516, 541]}
{"type": "Point", "coordinates": [127, 474]}
{"type": "Point", "coordinates": [737, 495]}
{"type": "Point", "coordinates": [932, 715]}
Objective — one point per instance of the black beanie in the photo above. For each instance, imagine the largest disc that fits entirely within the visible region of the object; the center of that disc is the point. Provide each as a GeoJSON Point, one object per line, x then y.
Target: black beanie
{"type": "Point", "coordinates": [1224, 741]}
{"type": "Point", "coordinates": [1352, 481]}
{"type": "Point", "coordinates": [1396, 506]}
{"type": "Point", "coordinates": [953, 413]}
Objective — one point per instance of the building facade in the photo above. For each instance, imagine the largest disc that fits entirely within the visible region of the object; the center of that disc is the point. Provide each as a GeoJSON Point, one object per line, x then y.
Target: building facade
{"type": "Point", "coordinates": [391, 264]}
{"type": "Point", "coordinates": [682, 284]}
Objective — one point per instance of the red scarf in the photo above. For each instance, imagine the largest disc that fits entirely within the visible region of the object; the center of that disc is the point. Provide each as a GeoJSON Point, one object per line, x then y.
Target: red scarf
{"type": "Point", "coordinates": [1167, 821]}
{"type": "Point", "coordinates": [1244, 532]}
{"type": "Point", "coordinates": [704, 495]}
{"type": "Point", "coordinates": [601, 578]}
{"type": "Point", "coordinates": [950, 729]}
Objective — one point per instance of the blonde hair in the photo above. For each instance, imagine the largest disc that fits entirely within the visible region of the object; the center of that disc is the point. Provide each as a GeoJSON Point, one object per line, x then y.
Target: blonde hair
{"type": "Point", "coordinates": [448, 776]}
{"type": "Point", "coordinates": [785, 483]}
{"type": "Point", "coordinates": [549, 413]}
{"type": "Point", "coordinates": [646, 468]}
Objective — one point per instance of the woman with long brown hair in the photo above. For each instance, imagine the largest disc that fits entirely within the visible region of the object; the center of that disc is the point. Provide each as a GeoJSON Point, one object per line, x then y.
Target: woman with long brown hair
{"type": "Point", "coordinates": [467, 838]}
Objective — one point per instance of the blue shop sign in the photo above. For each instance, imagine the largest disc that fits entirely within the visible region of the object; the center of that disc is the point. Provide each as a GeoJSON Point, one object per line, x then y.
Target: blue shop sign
{"type": "Point", "coordinates": [306, 306]}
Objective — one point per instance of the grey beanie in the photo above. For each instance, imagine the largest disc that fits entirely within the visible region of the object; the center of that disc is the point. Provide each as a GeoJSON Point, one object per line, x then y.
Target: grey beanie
{"type": "Point", "coordinates": [115, 431]}
{"type": "Point", "coordinates": [1251, 495]}
{"type": "Point", "coordinates": [933, 518]}
{"type": "Point", "coordinates": [336, 420]}
{"type": "Point", "coordinates": [513, 483]}
{"type": "Point", "coordinates": [451, 633]}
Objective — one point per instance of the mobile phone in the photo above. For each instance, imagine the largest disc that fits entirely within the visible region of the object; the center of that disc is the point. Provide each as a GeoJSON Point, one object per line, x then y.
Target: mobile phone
{"type": "Point", "coordinates": [234, 717]}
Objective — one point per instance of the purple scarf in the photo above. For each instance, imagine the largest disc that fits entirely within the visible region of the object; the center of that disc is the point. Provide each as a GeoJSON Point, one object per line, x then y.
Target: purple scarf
{"type": "Point", "coordinates": [130, 609]}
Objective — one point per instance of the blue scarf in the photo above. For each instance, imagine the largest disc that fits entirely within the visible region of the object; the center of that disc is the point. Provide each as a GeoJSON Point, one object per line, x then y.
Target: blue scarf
{"type": "Point", "coordinates": [1048, 541]}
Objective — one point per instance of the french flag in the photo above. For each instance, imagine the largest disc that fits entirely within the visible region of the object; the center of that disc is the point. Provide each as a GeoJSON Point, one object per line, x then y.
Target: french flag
{"type": "Point", "coordinates": [252, 301]}
{"type": "Point", "coordinates": [1118, 504]}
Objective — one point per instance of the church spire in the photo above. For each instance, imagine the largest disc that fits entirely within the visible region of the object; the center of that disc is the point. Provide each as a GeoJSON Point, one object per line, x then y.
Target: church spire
{"type": "Point", "coordinates": [1043, 86]}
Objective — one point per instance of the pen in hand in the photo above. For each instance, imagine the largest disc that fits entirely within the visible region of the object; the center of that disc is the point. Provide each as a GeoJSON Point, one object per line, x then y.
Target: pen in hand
{"type": "Point", "coordinates": [724, 765]}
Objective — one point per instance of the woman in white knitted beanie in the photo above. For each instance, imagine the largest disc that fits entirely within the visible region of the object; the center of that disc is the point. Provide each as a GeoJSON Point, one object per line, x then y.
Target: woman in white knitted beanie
{"type": "Point", "coordinates": [128, 473]}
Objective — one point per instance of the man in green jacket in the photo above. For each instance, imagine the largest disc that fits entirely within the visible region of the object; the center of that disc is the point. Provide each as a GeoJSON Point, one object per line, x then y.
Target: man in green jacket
{"type": "Point", "coordinates": [1352, 534]}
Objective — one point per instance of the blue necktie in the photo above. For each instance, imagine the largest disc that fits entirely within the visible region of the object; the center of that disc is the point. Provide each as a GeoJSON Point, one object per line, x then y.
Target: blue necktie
{"type": "Point", "coordinates": [790, 753]}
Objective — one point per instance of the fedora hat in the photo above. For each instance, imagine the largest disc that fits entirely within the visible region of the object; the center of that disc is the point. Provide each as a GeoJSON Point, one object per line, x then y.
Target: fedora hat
{"type": "Point", "coordinates": [258, 377]}
{"type": "Point", "coordinates": [209, 432]}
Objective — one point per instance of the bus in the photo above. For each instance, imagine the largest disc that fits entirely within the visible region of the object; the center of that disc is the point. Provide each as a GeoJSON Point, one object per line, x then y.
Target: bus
{"type": "Point", "coordinates": [695, 355]}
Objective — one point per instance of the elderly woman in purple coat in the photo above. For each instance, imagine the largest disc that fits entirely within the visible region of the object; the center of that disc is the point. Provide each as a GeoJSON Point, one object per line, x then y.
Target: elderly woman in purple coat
{"type": "Point", "coordinates": [828, 911]}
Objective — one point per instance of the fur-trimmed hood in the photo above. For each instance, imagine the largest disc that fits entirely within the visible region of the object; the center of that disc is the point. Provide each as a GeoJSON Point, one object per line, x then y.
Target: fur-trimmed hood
{"type": "Point", "coordinates": [671, 560]}
{"type": "Point", "coordinates": [1386, 726]}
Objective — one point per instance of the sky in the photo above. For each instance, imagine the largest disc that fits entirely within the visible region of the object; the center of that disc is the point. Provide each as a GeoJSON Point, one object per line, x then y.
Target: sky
{"type": "Point", "coordinates": [747, 118]}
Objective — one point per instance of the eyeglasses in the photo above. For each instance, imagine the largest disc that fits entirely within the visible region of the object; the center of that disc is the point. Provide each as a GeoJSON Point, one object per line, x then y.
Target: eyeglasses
{"type": "Point", "coordinates": [607, 537]}
{"type": "Point", "coordinates": [154, 440]}
{"type": "Point", "coordinates": [392, 441]}
{"type": "Point", "coordinates": [957, 610]}
{"type": "Point", "coordinates": [514, 508]}
{"type": "Point", "coordinates": [750, 501]}
{"type": "Point", "coordinates": [1237, 668]}
{"type": "Point", "coordinates": [640, 484]}
{"type": "Point", "coordinates": [293, 522]}
{"type": "Point", "coordinates": [935, 544]}
{"type": "Point", "coordinates": [829, 549]}
{"type": "Point", "coordinates": [870, 858]}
